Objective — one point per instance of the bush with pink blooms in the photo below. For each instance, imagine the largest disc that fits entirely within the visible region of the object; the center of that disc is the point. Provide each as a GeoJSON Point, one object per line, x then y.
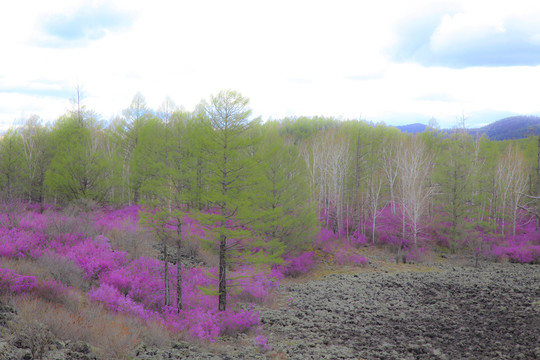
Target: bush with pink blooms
{"type": "Point", "coordinates": [95, 257]}
{"type": "Point", "coordinates": [515, 251]}
{"type": "Point", "coordinates": [11, 282]}
{"type": "Point", "coordinates": [135, 286]}
{"type": "Point", "coordinates": [349, 257]}
{"type": "Point", "coordinates": [262, 342]}
{"type": "Point", "coordinates": [131, 286]}
{"type": "Point", "coordinates": [297, 265]}
{"type": "Point", "coordinates": [125, 219]}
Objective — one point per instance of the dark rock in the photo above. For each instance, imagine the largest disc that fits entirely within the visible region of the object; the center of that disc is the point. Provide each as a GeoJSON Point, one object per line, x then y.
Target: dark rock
{"type": "Point", "coordinates": [420, 315]}
{"type": "Point", "coordinates": [81, 347]}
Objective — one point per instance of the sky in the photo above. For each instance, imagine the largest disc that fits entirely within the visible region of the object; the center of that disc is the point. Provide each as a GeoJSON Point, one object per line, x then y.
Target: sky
{"type": "Point", "coordinates": [391, 61]}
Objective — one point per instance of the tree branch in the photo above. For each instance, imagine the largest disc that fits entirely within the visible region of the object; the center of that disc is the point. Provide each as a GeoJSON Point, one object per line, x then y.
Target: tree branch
{"type": "Point", "coordinates": [529, 211]}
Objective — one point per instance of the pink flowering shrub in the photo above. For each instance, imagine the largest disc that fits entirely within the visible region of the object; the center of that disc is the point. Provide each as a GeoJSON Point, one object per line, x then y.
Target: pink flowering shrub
{"type": "Point", "coordinates": [255, 285]}
{"type": "Point", "coordinates": [517, 252]}
{"type": "Point", "coordinates": [415, 255]}
{"type": "Point", "coordinates": [96, 257]}
{"type": "Point", "coordinates": [126, 219]}
{"type": "Point", "coordinates": [204, 325]}
{"type": "Point", "coordinates": [348, 257]}
{"type": "Point", "coordinates": [262, 342]}
{"type": "Point", "coordinates": [135, 286]}
{"type": "Point", "coordinates": [358, 239]}
{"type": "Point", "coordinates": [298, 265]}
{"type": "Point", "coordinates": [34, 221]}
{"type": "Point", "coordinates": [12, 282]}
{"type": "Point", "coordinates": [237, 322]}
{"type": "Point", "coordinates": [114, 300]}
{"type": "Point", "coordinates": [64, 242]}
{"type": "Point", "coordinates": [145, 282]}
{"type": "Point", "coordinates": [20, 243]}
{"type": "Point", "coordinates": [325, 239]}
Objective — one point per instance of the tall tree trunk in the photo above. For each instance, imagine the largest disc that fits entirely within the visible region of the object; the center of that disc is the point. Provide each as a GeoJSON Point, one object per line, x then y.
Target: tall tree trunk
{"type": "Point", "coordinates": [179, 303]}
{"type": "Point", "coordinates": [166, 270]}
{"type": "Point", "coordinates": [222, 272]}
{"type": "Point", "coordinates": [222, 297]}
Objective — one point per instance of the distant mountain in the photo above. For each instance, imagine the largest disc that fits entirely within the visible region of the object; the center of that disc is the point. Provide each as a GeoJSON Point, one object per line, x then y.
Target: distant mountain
{"type": "Point", "coordinates": [515, 127]}
{"type": "Point", "coordinates": [412, 128]}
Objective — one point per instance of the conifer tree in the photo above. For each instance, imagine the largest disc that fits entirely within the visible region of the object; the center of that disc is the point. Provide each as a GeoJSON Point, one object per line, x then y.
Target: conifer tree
{"type": "Point", "coordinates": [454, 180]}
{"type": "Point", "coordinates": [232, 172]}
{"type": "Point", "coordinates": [80, 167]}
{"type": "Point", "coordinates": [282, 195]}
{"type": "Point", "coordinates": [11, 159]}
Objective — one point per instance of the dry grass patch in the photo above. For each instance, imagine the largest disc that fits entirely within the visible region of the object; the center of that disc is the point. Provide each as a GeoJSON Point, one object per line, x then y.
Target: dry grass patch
{"type": "Point", "coordinates": [136, 244]}
{"type": "Point", "coordinates": [112, 336]}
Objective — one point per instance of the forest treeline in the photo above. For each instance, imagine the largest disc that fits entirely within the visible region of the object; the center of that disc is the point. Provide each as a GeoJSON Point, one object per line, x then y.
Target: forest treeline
{"type": "Point", "coordinates": [286, 172]}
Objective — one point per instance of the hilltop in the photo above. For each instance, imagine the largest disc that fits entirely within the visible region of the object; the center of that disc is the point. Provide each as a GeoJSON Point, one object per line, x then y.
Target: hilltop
{"type": "Point", "coordinates": [514, 127]}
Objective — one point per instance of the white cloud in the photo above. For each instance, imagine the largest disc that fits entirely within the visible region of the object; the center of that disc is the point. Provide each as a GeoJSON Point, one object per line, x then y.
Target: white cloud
{"type": "Point", "coordinates": [457, 29]}
{"type": "Point", "coordinates": [289, 57]}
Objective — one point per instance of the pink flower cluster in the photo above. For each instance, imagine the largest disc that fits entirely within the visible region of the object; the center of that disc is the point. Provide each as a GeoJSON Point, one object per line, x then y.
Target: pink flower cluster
{"type": "Point", "coordinates": [297, 265]}
{"type": "Point", "coordinates": [126, 219]}
{"type": "Point", "coordinates": [12, 282]}
{"type": "Point", "coordinates": [133, 287]}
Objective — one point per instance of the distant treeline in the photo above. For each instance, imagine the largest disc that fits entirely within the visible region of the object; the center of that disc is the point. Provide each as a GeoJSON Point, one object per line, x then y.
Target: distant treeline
{"type": "Point", "coordinates": [346, 170]}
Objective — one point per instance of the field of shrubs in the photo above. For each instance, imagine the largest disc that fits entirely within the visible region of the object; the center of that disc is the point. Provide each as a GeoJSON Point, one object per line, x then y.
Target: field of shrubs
{"type": "Point", "coordinates": [96, 276]}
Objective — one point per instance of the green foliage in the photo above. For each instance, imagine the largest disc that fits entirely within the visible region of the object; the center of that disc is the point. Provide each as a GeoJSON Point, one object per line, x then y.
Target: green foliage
{"type": "Point", "coordinates": [36, 140]}
{"type": "Point", "coordinates": [304, 128]}
{"type": "Point", "coordinates": [80, 168]}
{"type": "Point", "coordinates": [281, 196]}
{"type": "Point", "coordinates": [11, 161]}
{"type": "Point", "coordinates": [233, 163]}
{"type": "Point", "coordinates": [188, 157]}
{"type": "Point", "coordinates": [149, 172]}
{"type": "Point", "coordinates": [453, 177]}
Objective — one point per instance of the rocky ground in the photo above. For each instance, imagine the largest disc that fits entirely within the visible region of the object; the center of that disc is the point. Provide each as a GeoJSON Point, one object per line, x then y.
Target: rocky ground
{"type": "Point", "coordinates": [382, 312]}
{"type": "Point", "coordinates": [449, 313]}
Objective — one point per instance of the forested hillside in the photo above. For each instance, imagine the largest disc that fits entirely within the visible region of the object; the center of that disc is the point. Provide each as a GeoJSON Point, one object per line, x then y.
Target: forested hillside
{"type": "Point", "coordinates": [511, 128]}
{"type": "Point", "coordinates": [515, 127]}
{"type": "Point", "coordinates": [233, 205]}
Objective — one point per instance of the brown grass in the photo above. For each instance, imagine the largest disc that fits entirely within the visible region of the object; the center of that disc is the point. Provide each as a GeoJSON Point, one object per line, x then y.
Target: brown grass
{"type": "Point", "coordinates": [110, 335]}
{"type": "Point", "coordinates": [27, 267]}
{"type": "Point", "coordinates": [31, 332]}
{"type": "Point", "coordinates": [136, 245]}
{"type": "Point", "coordinates": [50, 268]}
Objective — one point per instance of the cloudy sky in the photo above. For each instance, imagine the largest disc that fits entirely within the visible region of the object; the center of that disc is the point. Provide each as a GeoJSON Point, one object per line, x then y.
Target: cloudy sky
{"type": "Point", "coordinates": [387, 60]}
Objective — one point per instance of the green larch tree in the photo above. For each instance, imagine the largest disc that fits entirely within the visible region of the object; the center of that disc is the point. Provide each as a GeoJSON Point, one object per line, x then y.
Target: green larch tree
{"type": "Point", "coordinates": [11, 161]}
{"type": "Point", "coordinates": [80, 167]}
{"type": "Point", "coordinates": [453, 175]}
{"type": "Point", "coordinates": [232, 169]}
{"type": "Point", "coordinates": [282, 195]}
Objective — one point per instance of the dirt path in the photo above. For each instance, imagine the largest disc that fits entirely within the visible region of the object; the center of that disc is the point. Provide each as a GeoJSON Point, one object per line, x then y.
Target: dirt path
{"type": "Point", "coordinates": [455, 313]}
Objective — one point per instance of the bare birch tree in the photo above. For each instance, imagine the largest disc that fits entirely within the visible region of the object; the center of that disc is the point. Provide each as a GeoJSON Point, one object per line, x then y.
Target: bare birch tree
{"type": "Point", "coordinates": [415, 166]}
{"type": "Point", "coordinates": [390, 167]}
{"type": "Point", "coordinates": [511, 183]}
